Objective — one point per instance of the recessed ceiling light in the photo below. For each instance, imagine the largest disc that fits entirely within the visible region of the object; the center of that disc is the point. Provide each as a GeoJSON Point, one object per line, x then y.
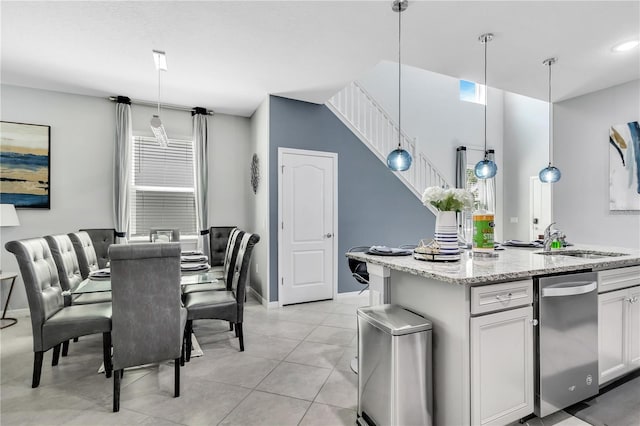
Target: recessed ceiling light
{"type": "Point", "coordinates": [627, 45]}
{"type": "Point", "coordinates": [160, 59]}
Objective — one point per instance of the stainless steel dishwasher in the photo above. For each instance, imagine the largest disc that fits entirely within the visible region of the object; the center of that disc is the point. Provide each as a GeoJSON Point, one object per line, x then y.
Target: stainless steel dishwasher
{"type": "Point", "coordinates": [566, 307]}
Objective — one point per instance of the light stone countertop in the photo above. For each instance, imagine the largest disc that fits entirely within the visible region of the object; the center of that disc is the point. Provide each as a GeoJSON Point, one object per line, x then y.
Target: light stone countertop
{"type": "Point", "coordinates": [511, 264]}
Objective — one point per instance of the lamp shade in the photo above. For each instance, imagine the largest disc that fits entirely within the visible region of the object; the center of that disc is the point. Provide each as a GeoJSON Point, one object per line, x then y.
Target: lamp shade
{"type": "Point", "coordinates": [8, 215]}
{"type": "Point", "coordinates": [485, 169]}
{"type": "Point", "coordinates": [550, 174]}
{"type": "Point", "coordinates": [399, 160]}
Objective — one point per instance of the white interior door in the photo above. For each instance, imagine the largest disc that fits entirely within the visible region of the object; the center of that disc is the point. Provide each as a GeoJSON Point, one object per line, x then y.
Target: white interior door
{"type": "Point", "coordinates": [539, 207]}
{"type": "Point", "coordinates": [307, 244]}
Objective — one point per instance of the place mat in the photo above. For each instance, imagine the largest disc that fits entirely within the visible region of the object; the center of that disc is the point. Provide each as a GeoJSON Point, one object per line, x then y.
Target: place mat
{"type": "Point", "coordinates": [100, 274]}
{"type": "Point", "coordinates": [518, 243]}
{"type": "Point", "coordinates": [191, 253]}
{"type": "Point", "coordinates": [189, 267]}
{"type": "Point", "coordinates": [388, 251]}
{"type": "Point", "coordinates": [193, 258]}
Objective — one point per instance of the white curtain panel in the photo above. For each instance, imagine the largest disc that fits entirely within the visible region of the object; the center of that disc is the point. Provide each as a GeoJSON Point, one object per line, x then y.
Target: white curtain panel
{"type": "Point", "coordinates": [201, 177]}
{"type": "Point", "coordinates": [122, 168]}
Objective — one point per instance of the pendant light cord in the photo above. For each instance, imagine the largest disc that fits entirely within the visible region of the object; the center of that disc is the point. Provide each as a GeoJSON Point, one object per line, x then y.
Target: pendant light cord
{"type": "Point", "coordinates": [550, 119]}
{"type": "Point", "coordinates": [400, 75]}
{"type": "Point", "coordinates": [486, 41]}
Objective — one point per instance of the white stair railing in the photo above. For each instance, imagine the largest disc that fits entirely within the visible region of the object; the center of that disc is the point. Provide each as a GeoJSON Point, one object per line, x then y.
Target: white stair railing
{"type": "Point", "coordinates": [357, 109]}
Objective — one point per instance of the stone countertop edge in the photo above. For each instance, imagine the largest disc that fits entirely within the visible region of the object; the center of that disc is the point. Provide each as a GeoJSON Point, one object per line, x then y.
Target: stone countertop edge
{"type": "Point", "coordinates": [511, 264]}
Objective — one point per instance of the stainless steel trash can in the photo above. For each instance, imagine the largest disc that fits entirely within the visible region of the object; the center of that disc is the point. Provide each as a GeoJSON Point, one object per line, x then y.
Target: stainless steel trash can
{"type": "Point", "coordinates": [395, 371]}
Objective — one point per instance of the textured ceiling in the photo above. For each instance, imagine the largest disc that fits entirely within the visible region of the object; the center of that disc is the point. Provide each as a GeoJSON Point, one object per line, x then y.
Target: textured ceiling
{"type": "Point", "coordinates": [228, 55]}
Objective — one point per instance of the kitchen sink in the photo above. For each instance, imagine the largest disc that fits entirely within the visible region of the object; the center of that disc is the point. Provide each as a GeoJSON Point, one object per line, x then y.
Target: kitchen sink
{"type": "Point", "coordinates": [585, 254]}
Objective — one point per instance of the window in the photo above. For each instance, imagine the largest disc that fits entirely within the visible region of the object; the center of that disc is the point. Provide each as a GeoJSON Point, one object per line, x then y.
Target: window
{"type": "Point", "coordinates": [472, 92]}
{"type": "Point", "coordinates": [162, 189]}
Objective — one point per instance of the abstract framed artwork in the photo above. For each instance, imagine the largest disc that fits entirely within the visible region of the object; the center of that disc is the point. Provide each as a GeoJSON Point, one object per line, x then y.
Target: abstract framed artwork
{"type": "Point", "coordinates": [624, 166]}
{"type": "Point", "coordinates": [25, 166]}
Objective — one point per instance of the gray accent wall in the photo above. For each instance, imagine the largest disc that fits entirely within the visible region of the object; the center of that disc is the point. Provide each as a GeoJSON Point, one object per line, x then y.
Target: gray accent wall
{"type": "Point", "coordinates": [374, 207]}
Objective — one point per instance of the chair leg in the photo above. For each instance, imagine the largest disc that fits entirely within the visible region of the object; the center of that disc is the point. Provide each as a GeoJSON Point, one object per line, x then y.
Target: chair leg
{"type": "Point", "coordinates": [106, 354]}
{"type": "Point", "coordinates": [116, 390]}
{"type": "Point", "coordinates": [37, 368]}
{"type": "Point", "coordinates": [187, 335]}
{"type": "Point", "coordinates": [231, 326]}
{"type": "Point", "coordinates": [182, 346]}
{"type": "Point", "coordinates": [56, 355]}
{"type": "Point", "coordinates": [65, 348]}
{"type": "Point", "coordinates": [240, 336]}
{"type": "Point", "coordinates": [176, 383]}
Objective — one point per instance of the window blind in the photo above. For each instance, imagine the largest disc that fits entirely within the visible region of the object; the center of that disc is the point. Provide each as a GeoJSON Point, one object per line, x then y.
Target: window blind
{"type": "Point", "coordinates": [162, 194]}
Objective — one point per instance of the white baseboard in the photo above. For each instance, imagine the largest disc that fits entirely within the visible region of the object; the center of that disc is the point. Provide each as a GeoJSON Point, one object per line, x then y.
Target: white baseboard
{"type": "Point", "coordinates": [262, 300]}
{"type": "Point", "coordinates": [350, 294]}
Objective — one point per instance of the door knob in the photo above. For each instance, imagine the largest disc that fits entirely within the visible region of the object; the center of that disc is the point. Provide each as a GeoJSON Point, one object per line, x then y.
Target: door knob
{"type": "Point", "coordinates": [328, 235]}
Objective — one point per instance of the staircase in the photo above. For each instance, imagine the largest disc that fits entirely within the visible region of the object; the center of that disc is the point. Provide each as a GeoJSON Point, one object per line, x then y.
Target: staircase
{"type": "Point", "coordinates": [377, 130]}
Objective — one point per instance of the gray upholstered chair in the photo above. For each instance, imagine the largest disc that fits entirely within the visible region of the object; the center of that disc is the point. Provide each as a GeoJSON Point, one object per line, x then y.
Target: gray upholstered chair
{"type": "Point", "coordinates": [69, 273]}
{"type": "Point", "coordinates": [52, 322]}
{"type": "Point", "coordinates": [86, 253]}
{"type": "Point", "coordinates": [225, 276]}
{"type": "Point", "coordinates": [218, 246]}
{"type": "Point", "coordinates": [148, 319]}
{"type": "Point", "coordinates": [175, 234]}
{"type": "Point", "coordinates": [102, 238]}
{"type": "Point", "coordinates": [223, 305]}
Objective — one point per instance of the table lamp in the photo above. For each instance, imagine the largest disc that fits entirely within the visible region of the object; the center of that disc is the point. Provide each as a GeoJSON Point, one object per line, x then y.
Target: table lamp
{"type": "Point", "coordinates": [8, 217]}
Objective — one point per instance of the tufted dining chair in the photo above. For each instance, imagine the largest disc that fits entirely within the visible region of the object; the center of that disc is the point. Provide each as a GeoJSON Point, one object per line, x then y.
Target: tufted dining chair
{"type": "Point", "coordinates": [86, 253]}
{"type": "Point", "coordinates": [218, 245]}
{"type": "Point", "coordinates": [64, 255]}
{"type": "Point", "coordinates": [148, 318]}
{"type": "Point", "coordinates": [223, 305]}
{"type": "Point", "coordinates": [225, 276]}
{"type": "Point", "coordinates": [52, 322]}
{"type": "Point", "coordinates": [102, 238]}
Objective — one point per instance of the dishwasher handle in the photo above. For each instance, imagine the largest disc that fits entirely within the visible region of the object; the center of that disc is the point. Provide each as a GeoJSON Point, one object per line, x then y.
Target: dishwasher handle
{"type": "Point", "coordinates": [569, 289]}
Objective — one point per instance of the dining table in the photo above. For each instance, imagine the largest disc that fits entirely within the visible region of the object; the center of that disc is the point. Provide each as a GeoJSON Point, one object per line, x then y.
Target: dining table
{"type": "Point", "coordinates": [103, 283]}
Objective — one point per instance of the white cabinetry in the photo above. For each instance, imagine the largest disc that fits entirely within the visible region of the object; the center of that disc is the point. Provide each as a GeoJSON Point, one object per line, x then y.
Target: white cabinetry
{"type": "Point", "coordinates": [618, 323]}
{"type": "Point", "coordinates": [502, 358]}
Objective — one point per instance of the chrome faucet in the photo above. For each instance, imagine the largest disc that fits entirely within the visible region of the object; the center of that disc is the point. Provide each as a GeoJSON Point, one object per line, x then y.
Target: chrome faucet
{"type": "Point", "coordinates": [550, 235]}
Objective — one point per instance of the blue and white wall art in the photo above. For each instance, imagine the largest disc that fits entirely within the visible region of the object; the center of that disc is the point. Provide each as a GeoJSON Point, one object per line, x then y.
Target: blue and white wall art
{"type": "Point", "coordinates": [624, 166]}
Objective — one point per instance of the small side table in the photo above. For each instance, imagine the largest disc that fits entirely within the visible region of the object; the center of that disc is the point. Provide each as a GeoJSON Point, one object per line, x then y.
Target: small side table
{"type": "Point", "coordinates": [4, 321]}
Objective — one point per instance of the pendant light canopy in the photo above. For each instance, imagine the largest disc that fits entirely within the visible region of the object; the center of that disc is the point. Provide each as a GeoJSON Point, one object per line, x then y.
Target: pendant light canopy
{"type": "Point", "coordinates": [550, 174]}
{"type": "Point", "coordinates": [157, 127]}
{"type": "Point", "coordinates": [485, 169]}
{"type": "Point", "coordinates": [399, 159]}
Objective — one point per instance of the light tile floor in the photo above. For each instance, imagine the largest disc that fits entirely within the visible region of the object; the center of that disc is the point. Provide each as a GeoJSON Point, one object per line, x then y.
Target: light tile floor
{"type": "Point", "coordinates": [294, 371]}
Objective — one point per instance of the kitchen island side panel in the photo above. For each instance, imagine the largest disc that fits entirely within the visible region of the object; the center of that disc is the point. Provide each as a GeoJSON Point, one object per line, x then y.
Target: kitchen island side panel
{"type": "Point", "coordinates": [447, 306]}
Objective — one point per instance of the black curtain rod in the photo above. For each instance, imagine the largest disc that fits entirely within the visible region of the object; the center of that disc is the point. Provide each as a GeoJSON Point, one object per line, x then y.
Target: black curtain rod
{"type": "Point", "coordinates": [193, 110]}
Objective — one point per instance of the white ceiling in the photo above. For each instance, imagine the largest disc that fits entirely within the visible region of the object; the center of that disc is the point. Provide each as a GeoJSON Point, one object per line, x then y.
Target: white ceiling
{"type": "Point", "coordinates": [228, 55]}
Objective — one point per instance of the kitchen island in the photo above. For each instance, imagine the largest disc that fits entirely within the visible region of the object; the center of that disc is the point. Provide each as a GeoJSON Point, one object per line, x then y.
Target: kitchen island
{"type": "Point", "coordinates": [483, 322]}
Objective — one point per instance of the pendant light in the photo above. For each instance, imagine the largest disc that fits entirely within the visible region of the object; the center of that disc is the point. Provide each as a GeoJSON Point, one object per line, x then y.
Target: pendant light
{"type": "Point", "coordinates": [157, 127]}
{"type": "Point", "coordinates": [550, 174]}
{"type": "Point", "coordinates": [399, 160]}
{"type": "Point", "coordinates": [485, 169]}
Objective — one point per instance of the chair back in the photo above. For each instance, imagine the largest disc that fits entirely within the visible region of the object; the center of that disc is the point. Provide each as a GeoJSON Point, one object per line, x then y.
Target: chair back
{"type": "Point", "coordinates": [66, 261]}
{"type": "Point", "coordinates": [358, 268]}
{"type": "Point", "coordinates": [241, 269]}
{"type": "Point", "coordinates": [102, 238]}
{"type": "Point", "coordinates": [158, 235]}
{"type": "Point", "coordinates": [146, 319]}
{"type": "Point", "coordinates": [230, 256]}
{"type": "Point", "coordinates": [86, 253]}
{"type": "Point", "coordinates": [219, 244]}
{"type": "Point", "coordinates": [40, 277]}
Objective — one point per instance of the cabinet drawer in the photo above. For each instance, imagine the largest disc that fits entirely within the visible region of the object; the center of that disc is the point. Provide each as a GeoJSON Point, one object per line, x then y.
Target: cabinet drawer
{"type": "Point", "coordinates": [496, 297]}
{"type": "Point", "coordinates": [614, 279]}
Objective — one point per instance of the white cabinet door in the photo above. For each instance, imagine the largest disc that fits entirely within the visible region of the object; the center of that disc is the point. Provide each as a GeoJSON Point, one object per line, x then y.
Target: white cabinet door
{"type": "Point", "coordinates": [612, 334]}
{"type": "Point", "coordinates": [502, 367]}
{"type": "Point", "coordinates": [634, 327]}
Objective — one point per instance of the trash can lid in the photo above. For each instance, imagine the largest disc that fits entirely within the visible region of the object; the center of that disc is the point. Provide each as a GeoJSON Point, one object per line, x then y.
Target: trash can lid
{"type": "Point", "coordinates": [394, 319]}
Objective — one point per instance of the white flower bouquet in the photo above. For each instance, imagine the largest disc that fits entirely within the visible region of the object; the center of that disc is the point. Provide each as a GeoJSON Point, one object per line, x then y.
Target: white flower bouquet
{"type": "Point", "coordinates": [446, 200]}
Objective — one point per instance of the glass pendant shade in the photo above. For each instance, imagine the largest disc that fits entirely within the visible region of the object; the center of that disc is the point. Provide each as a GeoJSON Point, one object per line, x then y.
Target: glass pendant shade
{"type": "Point", "coordinates": [399, 160]}
{"type": "Point", "coordinates": [550, 174]}
{"type": "Point", "coordinates": [159, 132]}
{"type": "Point", "coordinates": [485, 169]}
